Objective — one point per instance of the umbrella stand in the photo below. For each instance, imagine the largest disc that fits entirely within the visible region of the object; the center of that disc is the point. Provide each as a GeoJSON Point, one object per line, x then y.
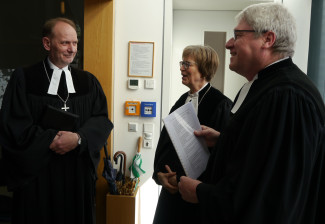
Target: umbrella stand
{"type": "Point", "coordinates": [130, 184]}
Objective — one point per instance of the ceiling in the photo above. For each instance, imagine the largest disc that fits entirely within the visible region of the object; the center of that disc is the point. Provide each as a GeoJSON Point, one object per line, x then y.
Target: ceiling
{"type": "Point", "coordinates": [214, 4]}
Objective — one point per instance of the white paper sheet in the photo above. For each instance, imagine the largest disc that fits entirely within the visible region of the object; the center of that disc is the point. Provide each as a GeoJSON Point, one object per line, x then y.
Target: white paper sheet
{"type": "Point", "coordinates": [191, 150]}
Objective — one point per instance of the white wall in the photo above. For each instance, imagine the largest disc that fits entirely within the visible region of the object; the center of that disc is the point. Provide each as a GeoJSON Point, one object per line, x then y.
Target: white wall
{"type": "Point", "coordinates": [189, 27]}
{"type": "Point", "coordinates": [301, 10]}
{"type": "Point", "coordinates": [167, 59]}
{"type": "Point", "coordinates": [140, 20]}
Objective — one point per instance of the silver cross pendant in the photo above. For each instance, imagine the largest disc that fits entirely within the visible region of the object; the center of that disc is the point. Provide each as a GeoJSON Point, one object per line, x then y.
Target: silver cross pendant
{"type": "Point", "coordinates": [65, 108]}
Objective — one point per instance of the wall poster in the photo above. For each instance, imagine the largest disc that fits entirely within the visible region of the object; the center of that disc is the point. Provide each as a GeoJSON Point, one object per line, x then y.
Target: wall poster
{"type": "Point", "coordinates": [141, 58]}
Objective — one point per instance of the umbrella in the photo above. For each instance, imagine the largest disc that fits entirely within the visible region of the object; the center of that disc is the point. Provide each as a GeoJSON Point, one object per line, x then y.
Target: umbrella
{"type": "Point", "coordinates": [109, 173]}
{"type": "Point", "coordinates": [120, 176]}
{"type": "Point", "coordinates": [135, 168]}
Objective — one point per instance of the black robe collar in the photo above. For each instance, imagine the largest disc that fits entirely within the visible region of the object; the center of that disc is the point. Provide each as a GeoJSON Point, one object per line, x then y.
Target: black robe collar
{"type": "Point", "coordinates": [275, 67]}
{"type": "Point", "coordinates": [37, 82]}
{"type": "Point", "coordinates": [203, 91]}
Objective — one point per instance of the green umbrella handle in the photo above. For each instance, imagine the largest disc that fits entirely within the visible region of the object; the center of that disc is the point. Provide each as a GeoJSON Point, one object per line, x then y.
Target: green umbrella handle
{"type": "Point", "coordinates": [139, 144]}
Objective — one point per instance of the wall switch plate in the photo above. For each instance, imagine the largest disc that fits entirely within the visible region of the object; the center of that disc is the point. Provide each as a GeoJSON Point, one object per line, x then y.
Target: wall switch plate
{"type": "Point", "coordinates": [148, 127]}
{"type": "Point", "coordinates": [132, 127]}
{"type": "Point", "coordinates": [147, 144]}
{"type": "Point", "coordinates": [149, 84]}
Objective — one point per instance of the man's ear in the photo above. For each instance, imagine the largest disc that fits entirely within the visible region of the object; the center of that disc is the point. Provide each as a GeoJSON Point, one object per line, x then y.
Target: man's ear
{"type": "Point", "coordinates": [269, 38]}
{"type": "Point", "coordinates": [46, 43]}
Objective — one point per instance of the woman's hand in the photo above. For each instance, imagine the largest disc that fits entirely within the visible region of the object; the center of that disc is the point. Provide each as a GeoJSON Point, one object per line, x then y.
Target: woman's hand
{"type": "Point", "coordinates": [168, 180]}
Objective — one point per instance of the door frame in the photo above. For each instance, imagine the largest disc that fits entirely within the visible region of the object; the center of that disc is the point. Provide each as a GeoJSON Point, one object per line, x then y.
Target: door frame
{"type": "Point", "coordinates": [98, 59]}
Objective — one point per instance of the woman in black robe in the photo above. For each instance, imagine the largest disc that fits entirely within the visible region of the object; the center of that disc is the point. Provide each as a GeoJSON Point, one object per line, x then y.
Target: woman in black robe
{"type": "Point", "coordinates": [197, 68]}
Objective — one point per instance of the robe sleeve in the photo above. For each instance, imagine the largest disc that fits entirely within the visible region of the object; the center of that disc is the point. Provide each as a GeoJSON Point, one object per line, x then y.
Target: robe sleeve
{"type": "Point", "coordinates": [22, 141]}
{"type": "Point", "coordinates": [217, 114]}
{"type": "Point", "coordinates": [269, 156]}
{"type": "Point", "coordinates": [223, 114]}
{"type": "Point", "coordinates": [95, 131]}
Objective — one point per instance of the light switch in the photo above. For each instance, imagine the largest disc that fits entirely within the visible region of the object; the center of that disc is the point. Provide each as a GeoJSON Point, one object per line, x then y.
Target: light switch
{"type": "Point", "coordinates": [147, 135]}
{"type": "Point", "coordinates": [133, 127]}
{"type": "Point", "coordinates": [148, 127]}
{"type": "Point", "coordinates": [149, 84]}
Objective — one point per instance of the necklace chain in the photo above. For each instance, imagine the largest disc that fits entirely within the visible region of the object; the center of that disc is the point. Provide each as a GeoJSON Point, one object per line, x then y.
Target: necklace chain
{"type": "Point", "coordinates": [64, 101]}
{"type": "Point", "coordinates": [204, 95]}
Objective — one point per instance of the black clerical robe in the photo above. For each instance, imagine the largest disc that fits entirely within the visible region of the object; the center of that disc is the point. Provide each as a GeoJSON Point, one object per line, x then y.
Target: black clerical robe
{"type": "Point", "coordinates": [213, 111]}
{"type": "Point", "coordinates": [270, 160]}
{"type": "Point", "coordinates": [47, 187]}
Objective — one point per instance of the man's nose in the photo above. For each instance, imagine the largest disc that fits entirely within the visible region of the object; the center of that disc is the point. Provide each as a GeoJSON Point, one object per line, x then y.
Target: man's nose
{"type": "Point", "coordinates": [230, 43]}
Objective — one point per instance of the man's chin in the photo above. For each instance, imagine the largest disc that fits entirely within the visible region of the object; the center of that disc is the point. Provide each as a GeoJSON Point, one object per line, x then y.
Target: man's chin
{"type": "Point", "coordinates": [68, 61]}
{"type": "Point", "coordinates": [232, 67]}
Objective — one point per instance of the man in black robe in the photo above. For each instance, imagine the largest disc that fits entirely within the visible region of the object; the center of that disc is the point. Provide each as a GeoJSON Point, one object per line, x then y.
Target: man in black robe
{"type": "Point", "coordinates": [270, 162]}
{"type": "Point", "coordinates": [52, 172]}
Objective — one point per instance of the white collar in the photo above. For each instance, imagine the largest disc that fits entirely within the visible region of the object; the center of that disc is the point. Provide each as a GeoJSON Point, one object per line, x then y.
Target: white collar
{"type": "Point", "coordinates": [243, 93]}
{"type": "Point", "coordinates": [196, 94]}
{"type": "Point", "coordinates": [194, 98]}
{"type": "Point", "coordinates": [55, 80]}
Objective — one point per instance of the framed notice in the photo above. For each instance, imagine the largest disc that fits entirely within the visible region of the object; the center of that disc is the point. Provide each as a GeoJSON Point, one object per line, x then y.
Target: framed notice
{"type": "Point", "coordinates": [141, 58]}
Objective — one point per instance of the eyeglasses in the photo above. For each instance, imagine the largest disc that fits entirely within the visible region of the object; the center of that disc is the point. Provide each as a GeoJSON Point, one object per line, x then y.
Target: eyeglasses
{"type": "Point", "coordinates": [245, 31]}
{"type": "Point", "coordinates": [242, 31]}
{"type": "Point", "coordinates": [186, 64]}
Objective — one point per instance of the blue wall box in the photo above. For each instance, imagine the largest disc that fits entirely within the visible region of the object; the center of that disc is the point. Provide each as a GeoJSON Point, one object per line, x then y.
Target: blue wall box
{"type": "Point", "coordinates": [148, 109]}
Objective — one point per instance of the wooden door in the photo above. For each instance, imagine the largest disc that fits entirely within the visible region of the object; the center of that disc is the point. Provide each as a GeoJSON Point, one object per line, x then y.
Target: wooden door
{"type": "Point", "coordinates": [98, 59]}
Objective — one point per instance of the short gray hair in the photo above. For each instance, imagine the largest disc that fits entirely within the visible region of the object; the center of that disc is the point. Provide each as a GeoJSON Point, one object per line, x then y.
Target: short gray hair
{"type": "Point", "coordinates": [276, 18]}
{"type": "Point", "coordinates": [206, 59]}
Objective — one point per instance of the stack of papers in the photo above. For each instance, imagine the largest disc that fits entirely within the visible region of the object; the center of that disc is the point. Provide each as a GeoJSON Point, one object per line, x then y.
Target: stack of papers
{"type": "Point", "coordinates": [191, 150]}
